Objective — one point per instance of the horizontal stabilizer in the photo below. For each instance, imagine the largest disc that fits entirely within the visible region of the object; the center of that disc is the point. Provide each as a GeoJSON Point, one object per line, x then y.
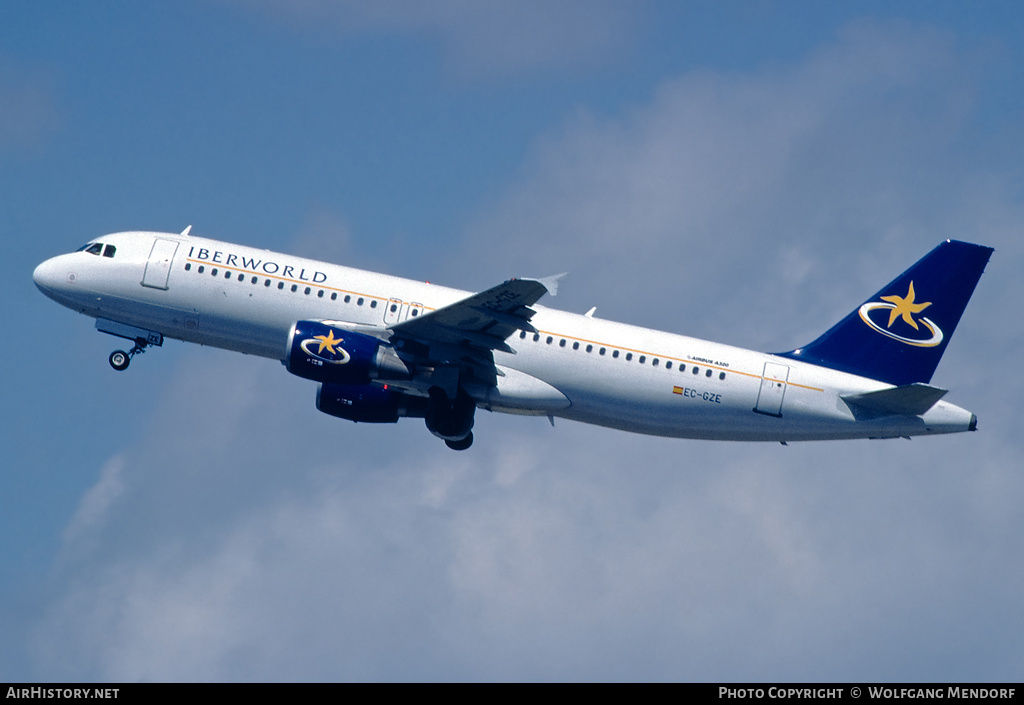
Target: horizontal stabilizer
{"type": "Point", "coordinates": [910, 399]}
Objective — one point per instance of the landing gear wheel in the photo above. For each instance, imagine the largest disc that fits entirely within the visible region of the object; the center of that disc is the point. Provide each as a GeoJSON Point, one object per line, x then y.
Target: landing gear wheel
{"type": "Point", "coordinates": [462, 444]}
{"type": "Point", "coordinates": [119, 360]}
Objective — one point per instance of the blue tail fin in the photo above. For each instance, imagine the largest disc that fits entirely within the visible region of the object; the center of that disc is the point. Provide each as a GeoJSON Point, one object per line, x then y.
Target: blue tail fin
{"type": "Point", "coordinates": [899, 334]}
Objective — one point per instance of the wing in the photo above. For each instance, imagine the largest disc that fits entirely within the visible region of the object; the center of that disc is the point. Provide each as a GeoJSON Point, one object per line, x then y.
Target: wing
{"type": "Point", "coordinates": [467, 332]}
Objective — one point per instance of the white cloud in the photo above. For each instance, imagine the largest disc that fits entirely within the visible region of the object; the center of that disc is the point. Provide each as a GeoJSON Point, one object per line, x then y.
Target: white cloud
{"type": "Point", "coordinates": [729, 196]}
{"type": "Point", "coordinates": [97, 502]}
{"type": "Point", "coordinates": [542, 553]}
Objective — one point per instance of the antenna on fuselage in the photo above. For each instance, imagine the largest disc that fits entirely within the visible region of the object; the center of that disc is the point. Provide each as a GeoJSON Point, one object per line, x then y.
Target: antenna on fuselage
{"type": "Point", "coordinates": [184, 233]}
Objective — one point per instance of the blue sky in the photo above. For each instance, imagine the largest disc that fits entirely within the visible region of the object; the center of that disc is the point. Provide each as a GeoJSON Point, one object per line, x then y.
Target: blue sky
{"type": "Point", "coordinates": [746, 172]}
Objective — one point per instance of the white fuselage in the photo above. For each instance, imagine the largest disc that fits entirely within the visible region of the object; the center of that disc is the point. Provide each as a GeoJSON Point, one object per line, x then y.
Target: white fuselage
{"type": "Point", "coordinates": [606, 373]}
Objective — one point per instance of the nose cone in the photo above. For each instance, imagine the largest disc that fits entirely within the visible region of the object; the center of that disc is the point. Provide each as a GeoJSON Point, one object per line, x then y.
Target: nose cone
{"type": "Point", "coordinates": [46, 277]}
{"type": "Point", "coordinates": [54, 278]}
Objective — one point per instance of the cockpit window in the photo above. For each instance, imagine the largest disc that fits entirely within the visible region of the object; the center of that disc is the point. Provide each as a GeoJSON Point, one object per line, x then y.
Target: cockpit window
{"type": "Point", "coordinates": [98, 248]}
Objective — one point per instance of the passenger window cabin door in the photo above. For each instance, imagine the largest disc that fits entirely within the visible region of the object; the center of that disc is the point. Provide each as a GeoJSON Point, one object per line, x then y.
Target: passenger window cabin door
{"type": "Point", "coordinates": [397, 311]}
{"type": "Point", "coordinates": [393, 311]}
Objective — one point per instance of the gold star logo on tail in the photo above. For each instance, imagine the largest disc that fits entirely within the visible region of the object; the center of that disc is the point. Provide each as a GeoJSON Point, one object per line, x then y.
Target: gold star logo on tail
{"type": "Point", "coordinates": [904, 306]}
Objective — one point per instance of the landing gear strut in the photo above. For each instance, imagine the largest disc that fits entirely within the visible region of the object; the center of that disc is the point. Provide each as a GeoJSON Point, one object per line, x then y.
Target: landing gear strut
{"type": "Point", "coordinates": [451, 419]}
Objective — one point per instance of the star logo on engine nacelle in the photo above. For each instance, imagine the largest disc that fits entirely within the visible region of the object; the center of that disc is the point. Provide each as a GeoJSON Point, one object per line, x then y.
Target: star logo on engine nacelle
{"type": "Point", "coordinates": [336, 355]}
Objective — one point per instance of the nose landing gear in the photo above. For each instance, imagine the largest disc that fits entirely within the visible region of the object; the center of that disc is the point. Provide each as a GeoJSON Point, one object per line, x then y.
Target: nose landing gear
{"type": "Point", "coordinates": [142, 338]}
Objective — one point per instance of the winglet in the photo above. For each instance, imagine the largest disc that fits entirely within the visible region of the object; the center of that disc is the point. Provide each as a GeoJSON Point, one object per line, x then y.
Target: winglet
{"type": "Point", "coordinates": [551, 283]}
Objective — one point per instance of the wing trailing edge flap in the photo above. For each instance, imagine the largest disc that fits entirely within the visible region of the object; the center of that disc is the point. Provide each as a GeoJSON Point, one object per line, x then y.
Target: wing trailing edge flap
{"type": "Point", "coordinates": [909, 399]}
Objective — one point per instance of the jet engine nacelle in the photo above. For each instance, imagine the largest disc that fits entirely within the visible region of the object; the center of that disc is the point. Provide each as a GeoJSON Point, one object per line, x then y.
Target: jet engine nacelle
{"type": "Point", "coordinates": [368, 403]}
{"type": "Point", "coordinates": [325, 353]}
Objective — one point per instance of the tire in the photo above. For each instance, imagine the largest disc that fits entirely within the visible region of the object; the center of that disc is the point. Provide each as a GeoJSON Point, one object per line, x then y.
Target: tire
{"type": "Point", "coordinates": [461, 444]}
{"type": "Point", "coordinates": [119, 360]}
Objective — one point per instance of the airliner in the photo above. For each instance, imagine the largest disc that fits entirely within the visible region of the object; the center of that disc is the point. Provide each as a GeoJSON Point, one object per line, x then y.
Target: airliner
{"type": "Point", "coordinates": [383, 348]}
